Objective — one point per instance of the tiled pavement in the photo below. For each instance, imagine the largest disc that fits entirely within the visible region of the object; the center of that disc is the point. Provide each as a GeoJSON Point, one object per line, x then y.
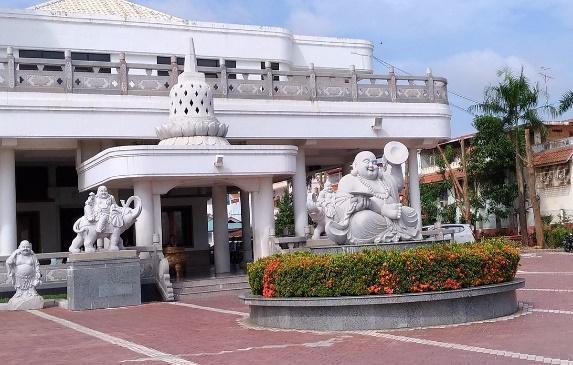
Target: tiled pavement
{"type": "Point", "coordinates": [213, 330]}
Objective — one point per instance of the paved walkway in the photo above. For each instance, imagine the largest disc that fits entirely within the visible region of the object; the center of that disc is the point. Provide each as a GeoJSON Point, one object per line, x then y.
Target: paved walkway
{"type": "Point", "coordinates": [213, 330]}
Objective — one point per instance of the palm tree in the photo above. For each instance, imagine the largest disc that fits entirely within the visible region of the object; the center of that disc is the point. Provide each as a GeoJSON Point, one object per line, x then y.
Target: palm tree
{"type": "Point", "coordinates": [566, 102]}
{"type": "Point", "coordinates": [515, 102]}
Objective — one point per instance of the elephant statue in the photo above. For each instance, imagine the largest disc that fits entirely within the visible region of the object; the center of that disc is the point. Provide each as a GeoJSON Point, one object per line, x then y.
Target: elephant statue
{"type": "Point", "coordinates": [103, 219]}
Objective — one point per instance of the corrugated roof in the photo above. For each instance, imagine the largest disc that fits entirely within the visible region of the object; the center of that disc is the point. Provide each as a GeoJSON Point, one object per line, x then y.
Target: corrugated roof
{"type": "Point", "coordinates": [438, 176]}
{"type": "Point", "coordinates": [553, 156]}
{"type": "Point", "coordinates": [104, 8]}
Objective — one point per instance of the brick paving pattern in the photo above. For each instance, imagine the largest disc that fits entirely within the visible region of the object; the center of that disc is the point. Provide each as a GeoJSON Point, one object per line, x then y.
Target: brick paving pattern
{"type": "Point", "coordinates": [213, 330]}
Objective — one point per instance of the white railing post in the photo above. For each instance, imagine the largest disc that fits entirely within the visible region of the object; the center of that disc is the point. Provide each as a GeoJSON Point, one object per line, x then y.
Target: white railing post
{"type": "Point", "coordinates": [223, 77]}
{"type": "Point", "coordinates": [353, 83]}
{"type": "Point", "coordinates": [392, 84]}
{"type": "Point", "coordinates": [123, 74]}
{"type": "Point", "coordinates": [174, 71]}
{"type": "Point", "coordinates": [11, 68]}
{"type": "Point", "coordinates": [68, 72]}
{"type": "Point", "coordinates": [269, 79]}
{"type": "Point", "coordinates": [312, 82]}
{"type": "Point", "coordinates": [430, 84]}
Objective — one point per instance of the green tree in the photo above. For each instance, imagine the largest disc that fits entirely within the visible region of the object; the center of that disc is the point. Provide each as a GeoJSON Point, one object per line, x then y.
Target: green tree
{"type": "Point", "coordinates": [516, 104]}
{"type": "Point", "coordinates": [489, 167]}
{"type": "Point", "coordinates": [431, 193]}
{"type": "Point", "coordinates": [284, 220]}
{"type": "Point", "coordinates": [429, 196]}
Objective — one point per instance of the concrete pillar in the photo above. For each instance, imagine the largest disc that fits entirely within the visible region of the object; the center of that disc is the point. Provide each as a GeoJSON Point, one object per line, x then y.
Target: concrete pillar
{"type": "Point", "coordinates": [221, 230]}
{"type": "Point", "coordinates": [299, 194]}
{"type": "Point", "coordinates": [414, 185]}
{"type": "Point", "coordinates": [263, 218]}
{"type": "Point", "coordinates": [7, 202]}
{"type": "Point", "coordinates": [157, 217]}
{"type": "Point", "coordinates": [246, 226]}
{"type": "Point", "coordinates": [144, 225]}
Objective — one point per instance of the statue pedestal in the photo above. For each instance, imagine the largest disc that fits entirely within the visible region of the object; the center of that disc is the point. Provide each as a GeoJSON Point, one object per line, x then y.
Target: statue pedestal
{"type": "Point", "coordinates": [105, 279]}
{"type": "Point", "coordinates": [26, 303]}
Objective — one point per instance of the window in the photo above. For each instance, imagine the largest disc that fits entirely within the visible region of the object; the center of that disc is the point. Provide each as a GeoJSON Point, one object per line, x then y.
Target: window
{"type": "Point", "coordinates": [32, 183]}
{"type": "Point", "coordinates": [162, 60]}
{"type": "Point", "coordinates": [274, 67]}
{"type": "Point", "coordinates": [206, 62]}
{"type": "Point", "coordinates": [66, 176]}
{"type": "Point", "coordinates": [35, 53]}
{"type": "Point", "coordinates": [96, 57]}
{"type": "Point", "coordinates": [201, 62]}
{"type": "Point", "coordinates": [231, 64]}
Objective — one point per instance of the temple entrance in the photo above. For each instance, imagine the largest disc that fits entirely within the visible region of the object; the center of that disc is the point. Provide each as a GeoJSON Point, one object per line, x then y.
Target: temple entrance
{"type": "Point", "coordinates": [67, 218]}
{"type": "Point", "coordinates": [187, 223]}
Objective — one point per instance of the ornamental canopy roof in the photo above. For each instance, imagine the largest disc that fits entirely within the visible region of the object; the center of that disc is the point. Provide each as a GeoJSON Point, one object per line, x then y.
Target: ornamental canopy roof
{"type": "Point", "coordinates": [553, 156]}
{"type": "Point", "coordinates": [104, 8]}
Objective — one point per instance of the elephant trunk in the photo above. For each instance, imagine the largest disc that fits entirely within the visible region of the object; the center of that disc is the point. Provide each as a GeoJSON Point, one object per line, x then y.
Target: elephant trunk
{"type": "Point", "coordinates": [136, 207]}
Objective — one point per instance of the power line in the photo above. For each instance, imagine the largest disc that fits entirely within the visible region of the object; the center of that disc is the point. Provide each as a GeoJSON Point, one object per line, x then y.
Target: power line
{"type": "Point", "coordinates": [409, 74]}
{"type": "Point", "coordinates": [388, 64]}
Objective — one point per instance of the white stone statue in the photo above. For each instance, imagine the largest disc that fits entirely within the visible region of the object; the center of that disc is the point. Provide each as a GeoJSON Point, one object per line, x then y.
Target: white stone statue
{"type": "Point", "coordinates": [102, 219]}
{"type": "Point", "coordinates": [367, 207]}
{"type": "Point", "coordinates": [24, 271]}
{"type": "Point", "coordinates": [319, 207]}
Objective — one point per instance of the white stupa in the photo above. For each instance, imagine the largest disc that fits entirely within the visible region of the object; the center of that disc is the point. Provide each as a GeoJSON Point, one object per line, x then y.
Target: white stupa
{"type": "Point", "coordinates": [192, 120]}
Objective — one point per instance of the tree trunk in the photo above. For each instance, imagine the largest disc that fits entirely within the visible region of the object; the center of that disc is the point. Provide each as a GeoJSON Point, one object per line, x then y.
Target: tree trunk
{"type": "Point", "coordinates": [532, 192]}
{"type": "Point", "coordinates": [467, 212]}
{"type": "Point", "coordinates": [520, 200]}
{"type": "Point", "coordinates": [457, 188]}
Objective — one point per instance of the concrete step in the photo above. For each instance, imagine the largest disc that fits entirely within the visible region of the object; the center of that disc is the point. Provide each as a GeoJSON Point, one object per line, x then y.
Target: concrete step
{"type": "Point", "coordinates": [210, 286]}
{"type": "Point", "coordinates": [211, 281]}
{"type": "Point", "coordinates": [208, 293]}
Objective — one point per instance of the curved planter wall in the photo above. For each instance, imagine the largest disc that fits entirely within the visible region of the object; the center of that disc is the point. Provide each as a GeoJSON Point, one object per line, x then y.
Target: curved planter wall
{"type": "Point", "coordinates": [385, 311]}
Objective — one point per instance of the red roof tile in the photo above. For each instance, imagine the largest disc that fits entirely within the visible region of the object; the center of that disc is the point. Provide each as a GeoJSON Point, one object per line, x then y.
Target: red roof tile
{"type": "Point", "coordinates": [553, 156]}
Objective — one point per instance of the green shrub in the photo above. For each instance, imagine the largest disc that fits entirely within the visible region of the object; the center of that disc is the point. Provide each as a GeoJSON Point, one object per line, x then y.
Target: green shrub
{"type": "Point", "coordinates": [434, 268]}
{"type": "Point", "coordinates": [555, 235]}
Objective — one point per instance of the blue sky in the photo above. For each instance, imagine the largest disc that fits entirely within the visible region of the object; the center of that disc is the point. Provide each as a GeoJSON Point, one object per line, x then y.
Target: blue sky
{"type": "Point", "coordinates": [463, 40]}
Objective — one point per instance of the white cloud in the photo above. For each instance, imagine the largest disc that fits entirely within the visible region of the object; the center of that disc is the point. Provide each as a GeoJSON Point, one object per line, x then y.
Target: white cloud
{"type": "Point", "coordinates": [309, 23]}
{"type": "Point", "coordinates": [470, 72]}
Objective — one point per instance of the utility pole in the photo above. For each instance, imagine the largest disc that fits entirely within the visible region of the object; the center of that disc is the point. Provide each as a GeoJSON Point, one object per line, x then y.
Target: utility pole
{"type": "Point", "coordinates": [532, 193]}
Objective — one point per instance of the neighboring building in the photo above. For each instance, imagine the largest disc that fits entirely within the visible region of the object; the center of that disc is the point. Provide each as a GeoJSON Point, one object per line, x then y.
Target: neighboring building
{"type": "Point", "coordinates": [84, 79]}
{"type": "Point", "coordinates": [431, 172]}
{"type": "Point", "coordinates": [552, 160]}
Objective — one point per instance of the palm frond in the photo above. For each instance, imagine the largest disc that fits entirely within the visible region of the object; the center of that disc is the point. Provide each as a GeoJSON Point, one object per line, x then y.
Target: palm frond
{"type": "Point", "coordinates": [566, 102]}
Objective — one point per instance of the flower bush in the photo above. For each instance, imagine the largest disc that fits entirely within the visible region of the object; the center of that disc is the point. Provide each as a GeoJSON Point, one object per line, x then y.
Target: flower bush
{"type": "Point", "coordinates": [434, 268]}
{"type": "Point", "coordinates": [555, 235]}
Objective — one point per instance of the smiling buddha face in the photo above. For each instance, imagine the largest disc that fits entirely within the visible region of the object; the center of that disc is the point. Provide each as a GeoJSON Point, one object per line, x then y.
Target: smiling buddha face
{"type": "Point", "coordinates": [365, 165]}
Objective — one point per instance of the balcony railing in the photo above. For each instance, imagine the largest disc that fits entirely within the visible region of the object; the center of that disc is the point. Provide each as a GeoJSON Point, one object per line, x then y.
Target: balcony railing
{"type": "Point", "coordinates": [552, 144]}
{"type": "Point", "coordinates": [123, 78]}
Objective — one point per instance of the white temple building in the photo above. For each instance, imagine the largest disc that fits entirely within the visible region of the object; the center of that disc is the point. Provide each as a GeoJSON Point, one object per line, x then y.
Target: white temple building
{"type": "Point", "coordinates": [85, 100]}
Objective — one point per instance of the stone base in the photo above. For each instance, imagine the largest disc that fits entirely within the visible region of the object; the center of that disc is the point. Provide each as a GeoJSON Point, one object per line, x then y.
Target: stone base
{"type": "Point", "coordinates": [103, 280]}
{"type": "Point", "coordinates": [25, 303]}
{"type": "Point", "coordinates": [327, 246]}
{"type": "Point", "coordinates": [375, 312]}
